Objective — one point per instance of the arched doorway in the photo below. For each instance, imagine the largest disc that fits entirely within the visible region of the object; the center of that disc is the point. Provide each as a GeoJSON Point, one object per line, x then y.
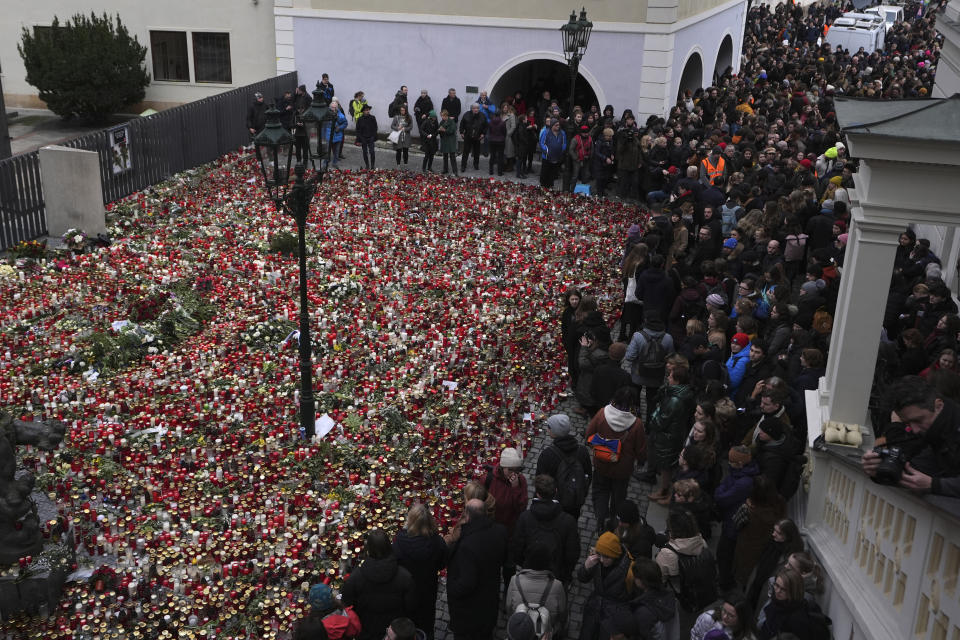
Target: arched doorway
{"type": "Point", "coordinates": [534, 76]}
{"type": "Point", "coordinates": [692, 77]}
{"type": "Point", "coordinates": [724, 57]}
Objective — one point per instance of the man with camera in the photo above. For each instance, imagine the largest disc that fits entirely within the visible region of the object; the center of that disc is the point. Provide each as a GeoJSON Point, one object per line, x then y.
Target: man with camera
{"type": "Point", "coordinates": [921, 448]}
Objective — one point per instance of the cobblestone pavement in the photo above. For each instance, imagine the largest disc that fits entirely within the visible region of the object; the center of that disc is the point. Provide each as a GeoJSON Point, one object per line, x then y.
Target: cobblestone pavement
{"type": "Point", "coordinates": [578, 593]}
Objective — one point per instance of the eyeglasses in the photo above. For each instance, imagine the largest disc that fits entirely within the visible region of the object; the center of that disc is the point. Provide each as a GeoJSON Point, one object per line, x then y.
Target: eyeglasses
{"type": "Point", "coordinates": [779, 588]}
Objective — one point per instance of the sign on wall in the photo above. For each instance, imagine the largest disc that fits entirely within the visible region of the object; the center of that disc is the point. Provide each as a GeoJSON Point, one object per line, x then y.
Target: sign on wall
{"type": "Point", "coordinates": [120, 150]}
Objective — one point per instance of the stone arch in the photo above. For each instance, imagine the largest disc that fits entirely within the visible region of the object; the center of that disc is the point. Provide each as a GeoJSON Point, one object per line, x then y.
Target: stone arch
{"type": "Point", "coordinates": [724, 56]}
{"type": "Point", "coordinates": [509, 75]}
{"type": "Point", "coordinates": [692, 75]}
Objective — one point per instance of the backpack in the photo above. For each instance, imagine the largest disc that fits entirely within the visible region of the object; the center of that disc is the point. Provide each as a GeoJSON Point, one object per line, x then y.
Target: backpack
{"type": "Point", "coordinates": [692, 309]}
{"type": "Point", "coordinates": [571, 481]}
{"type": "Point", "coordinates": [537, 611]}
{"type": "Point", "coordinates": [729, 217]}
{"type": "Point", "coordinates": [654, 354]}
{"type": "Point", "coordinates": [698, 579]}
{"type": "Point", "coordinates": [605, 450]}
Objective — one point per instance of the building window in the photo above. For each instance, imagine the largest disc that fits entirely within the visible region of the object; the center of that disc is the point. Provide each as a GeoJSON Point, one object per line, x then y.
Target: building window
{"type": "Point", "coordinates": [211, 58]}
{"type": "Point", "coordinates": [170, 56]}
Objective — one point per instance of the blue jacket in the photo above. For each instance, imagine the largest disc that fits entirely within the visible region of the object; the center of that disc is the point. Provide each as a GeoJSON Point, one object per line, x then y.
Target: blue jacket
{"type": "Point", "coordinates": [338, 129]}
{"type": "Point", "coordinates": [552, 147]}
{"type": "Point", "coordinates": [732, 492]}
{"type": "Point", "coordinates": [487, 108]}
{"type": "Point", "coordinates": [736, 367]}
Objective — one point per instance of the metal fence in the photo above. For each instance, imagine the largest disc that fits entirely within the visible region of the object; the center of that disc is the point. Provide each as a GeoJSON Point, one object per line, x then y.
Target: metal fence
{"type": "Point", "coordinates": [159, 146]}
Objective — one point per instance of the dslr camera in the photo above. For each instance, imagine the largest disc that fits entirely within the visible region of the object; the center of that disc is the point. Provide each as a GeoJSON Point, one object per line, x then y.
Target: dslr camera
{"type": "Point", "coordinates": [892, 463]}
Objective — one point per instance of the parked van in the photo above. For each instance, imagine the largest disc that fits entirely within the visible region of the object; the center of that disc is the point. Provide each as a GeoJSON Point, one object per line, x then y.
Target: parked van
{"type": "Point", "coordinates": [892, 14]}
{"type": "Point", "coordinates": [854, 30]}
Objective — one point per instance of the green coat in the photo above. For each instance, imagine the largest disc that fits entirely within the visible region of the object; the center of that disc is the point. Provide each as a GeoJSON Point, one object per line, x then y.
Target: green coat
{"type": "Point", "coordinates": [448, 136]}
{"type": "Point", "coordinates": [670, 424]}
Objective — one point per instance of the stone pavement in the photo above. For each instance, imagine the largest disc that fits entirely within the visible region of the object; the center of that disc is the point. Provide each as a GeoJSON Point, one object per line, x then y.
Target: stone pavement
{"type": "Point", "coordinates": [578, 593]}
{"type": "Point", "coordinates": [35, 128]}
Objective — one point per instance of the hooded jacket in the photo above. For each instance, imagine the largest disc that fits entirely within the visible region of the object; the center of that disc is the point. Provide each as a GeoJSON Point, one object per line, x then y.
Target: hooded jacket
{"type": "Point", "coordinates": [423, 557]}
{"type": "Point", "coordinates": [612, 423]}
{"type": "Point", "coordinates": [668, 560]}
{"type": "Point", "coordinates": [737, 368]}
{"type": "Point", "coordinates": [549, 460]}
{"type": "Point", "coordinates": [548, 515]}
{"type": "Point", "coordinates": [379, 591]}
{"type": "Point", "coordinates": [656, 292]}
{"type": "Point", "coordinates": [652, 614]}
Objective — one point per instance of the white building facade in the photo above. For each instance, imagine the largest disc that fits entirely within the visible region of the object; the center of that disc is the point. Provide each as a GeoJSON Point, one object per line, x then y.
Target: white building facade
{"type": "Point", "coordinates": [638, 56]}
{"type": "Point", "coordinates": [194, 49]}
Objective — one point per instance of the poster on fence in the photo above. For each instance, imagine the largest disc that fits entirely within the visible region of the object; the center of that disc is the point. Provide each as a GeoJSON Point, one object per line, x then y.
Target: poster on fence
{"type": "Point", "coordinates": [120, 150]}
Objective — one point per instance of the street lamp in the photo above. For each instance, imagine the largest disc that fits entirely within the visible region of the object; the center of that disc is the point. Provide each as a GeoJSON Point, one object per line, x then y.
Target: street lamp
{"type": "Point", "coordinates": [313, 119]}
{"type": "Point", "coordinates": [576, 36]}
{"type": "Point", "coordinates": [274, 146]}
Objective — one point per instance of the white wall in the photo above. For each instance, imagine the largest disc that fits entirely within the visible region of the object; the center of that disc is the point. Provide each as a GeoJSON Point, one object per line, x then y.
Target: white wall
{"type": "Point", "coordinates": [439, 56]}
{"type": "Point", "coordinates": [705, 37]}
{"type": "Point", "coordinates": [249, 23]}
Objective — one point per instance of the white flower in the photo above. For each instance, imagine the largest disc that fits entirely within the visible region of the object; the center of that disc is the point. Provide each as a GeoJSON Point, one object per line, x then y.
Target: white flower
{"type": "Point", "coordinates": [78, 238]}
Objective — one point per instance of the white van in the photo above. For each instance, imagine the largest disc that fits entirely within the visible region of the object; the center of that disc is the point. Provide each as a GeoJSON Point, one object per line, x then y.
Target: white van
{"type": "Point", "coordinates": [892, 14]}
{"type": "Point", "coordinates": [854, 30]}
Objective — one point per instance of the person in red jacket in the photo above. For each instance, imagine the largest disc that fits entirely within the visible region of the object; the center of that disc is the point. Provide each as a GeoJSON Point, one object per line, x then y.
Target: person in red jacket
{"type": "Point", "coordinates": [507, 484]}
{"type": "Point", "coordinates": [325, 610]}
{"type": "Point", "coordinates": [616, 421]}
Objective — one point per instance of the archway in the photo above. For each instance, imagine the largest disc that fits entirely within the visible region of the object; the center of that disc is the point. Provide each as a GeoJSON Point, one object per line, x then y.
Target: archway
{"type": "Point", "coordinates": [692, 77]}
{"type": "Point", "coordinates": [534, 73]}
{"type": "Point", "coordinates": [724, 57]}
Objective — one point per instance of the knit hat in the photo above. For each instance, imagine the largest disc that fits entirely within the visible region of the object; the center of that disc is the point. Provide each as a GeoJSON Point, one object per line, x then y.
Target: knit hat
{"type": "Point", "coordinates": [831, 153]}
{"type": "Point", "coordinates": [842, 238]}
{"type": "Point", "coordinates": [608, 544]}
{"type": "Point", "coordinates": [827, 205]}
{"type": "Point", "coordinates": [558, 424]}
{"type": "Point", "coordinates": [741, 339]}
{"type": "Point", "coordinates": [805, 163]}
{"type": "Point", "coordinates": [321, 597]}
{"type": "Point", "coordinates": [520, 627]}
{"type": "Point", "coordinates": [730, 243]}
{"type": "Point", "coordinates": [771, 426]}
{"type": "Point", "coordinates": [716, 300]}
{"type": "Point", "coordinates": [628, 512]}
{"type": "Point", "coordinates": [510, 458]}
{"type": "Point", "coordinates": [633, 231]}
{"type": "Point", "coordinates": [739, 457]}
{"type": "Point", "coordinates": [617, 351]}
{"type": "Point", "coordinates": [840, 145]}
{"type": "Point", "coordinates": [432, 114]}
{"type": "Point", "coordinates": [810, 287]}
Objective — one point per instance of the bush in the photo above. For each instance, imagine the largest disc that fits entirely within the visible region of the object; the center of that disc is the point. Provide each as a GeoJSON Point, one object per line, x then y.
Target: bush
{"type": "Point", "coordinates": [88, 67]}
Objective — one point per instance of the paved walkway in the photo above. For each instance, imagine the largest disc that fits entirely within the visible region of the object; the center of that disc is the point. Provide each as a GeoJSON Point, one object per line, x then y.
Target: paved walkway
{"type": "Point", "coordinates": [35, 128]}
{"type": "Point", "coordinates": [588, 526]}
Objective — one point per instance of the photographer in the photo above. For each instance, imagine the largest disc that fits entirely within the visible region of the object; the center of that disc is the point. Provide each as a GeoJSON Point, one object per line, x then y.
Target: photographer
{"type": "Point", "coordinates": [921, 448]}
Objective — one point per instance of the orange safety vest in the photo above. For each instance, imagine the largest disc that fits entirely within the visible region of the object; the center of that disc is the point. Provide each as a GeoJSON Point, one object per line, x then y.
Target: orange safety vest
{"type": "Point", "coordinates": [714, 172]}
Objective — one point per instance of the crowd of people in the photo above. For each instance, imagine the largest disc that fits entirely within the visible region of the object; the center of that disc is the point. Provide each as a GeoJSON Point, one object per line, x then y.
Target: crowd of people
{"type": "Point", "coordinates": [730, 282]}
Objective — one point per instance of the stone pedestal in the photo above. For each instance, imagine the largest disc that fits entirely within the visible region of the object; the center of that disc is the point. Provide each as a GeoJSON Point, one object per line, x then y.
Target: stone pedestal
{"type": "Point", "coordinates": [71, 190]}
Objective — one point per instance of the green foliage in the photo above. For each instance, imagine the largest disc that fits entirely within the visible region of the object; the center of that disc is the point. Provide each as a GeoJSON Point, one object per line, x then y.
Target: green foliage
{"type": "Point", "coordinates": [89, 67]}
{"type": "Point", "coordinates": [284, 242]}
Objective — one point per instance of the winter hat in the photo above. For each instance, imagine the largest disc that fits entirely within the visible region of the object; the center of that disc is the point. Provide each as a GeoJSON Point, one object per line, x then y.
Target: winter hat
{"type": "Point", "coordinates": [741, 339]}
{"type": "Point", "coordinates": [617, 351]}
{"type": "Point", "coordinates": [810, 287]}
{"type": "Point", "coordinates": [773, 427]}
{"type": "Point", "coordinates": [716, 300]}
{"type": "Point", "coordinates": [843, 240]}
{"type": "Point", "coordinates": [805, 163]}
{"type": "Point", "coordinates": [840, 145]}
{"type": "Point", "coordinates": [321, 597]}
{"type": "Point", "coordinates": [633, 231]}
{"type": "Point", "coordinates": [520, 627]}
{"type": "Point", "coordinates": [739, 455]}
{"type": "Point", "coordinates": [432, 114]}
{"type": "Point", "coordinates": [831, 153]}
{"type": "Point", "coordinates": [730, 243]}
{"type": "Point", "coordinates": [716, 634]}
{"type": "Point", "coordinates": [368, 106]}
{"type": "Point", "coordinates": [558, 424]}
{"type": "Point", "coordinates": [827, 205]}
{"type": "Point", "coordinates": [510, 458]}
{"type": "Point", "coordinates": [608, 544]}
{"type": "Point", "coordinates": [628, 512]}
{"type": "Point", "coordinates": [841, 225]}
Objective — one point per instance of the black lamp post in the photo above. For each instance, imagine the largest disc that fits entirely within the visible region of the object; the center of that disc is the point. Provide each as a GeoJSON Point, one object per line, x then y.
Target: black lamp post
{"type": "Point", "coordinates": [313, 119]}
{"type": "Point", "coordinates": [274, 147]}
{"type": "Point", "coordinates": [576, 36]}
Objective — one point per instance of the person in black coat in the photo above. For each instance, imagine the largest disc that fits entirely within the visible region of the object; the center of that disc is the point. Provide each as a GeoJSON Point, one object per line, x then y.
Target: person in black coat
{"type": "Point", "coordinates": [545, 522]}
{"type": "Point", "coordinates": [367, 136]}
{"type": "Point", "coordinates": [820, 229]}
{"type": "Point", "coordinates": [609, 377]}
{"type": "Point", "coordinates": [451, 104]}
{"type": "Point", "coordinates": [776, 455]}
{"type": "Point", "coordinates": [473, 575]}
{"type": "Point", "coordinates": [421, 551]}
{"type": "Point", "coordinates": [655, 290]}
{"type": "Point", "coordinates": [790, 612]}
{"type": "Point", "coordinates": [380, 589]}
{"type": "Point", "coordinates": [564, 444]}
{"type": "Point", "coordinates": [256, 114]}
{"type": "Point", "coordinates": [473, 128]}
